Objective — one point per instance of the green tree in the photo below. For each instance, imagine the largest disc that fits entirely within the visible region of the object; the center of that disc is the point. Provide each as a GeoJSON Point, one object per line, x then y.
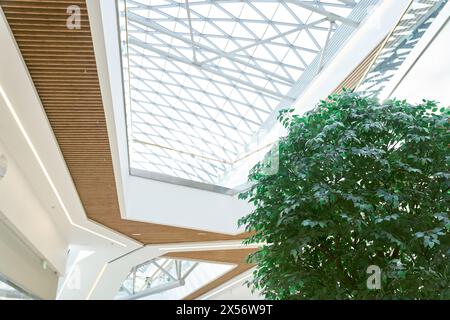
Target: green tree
{"type": "Point", "coordinates": [359, 183]}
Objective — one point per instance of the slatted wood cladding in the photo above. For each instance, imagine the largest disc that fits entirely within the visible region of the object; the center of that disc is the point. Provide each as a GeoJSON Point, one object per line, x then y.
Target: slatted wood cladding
{"type": "Point", "coordinates": [352, 81]}
{"type": "Point", "coordinates": [62, 64]}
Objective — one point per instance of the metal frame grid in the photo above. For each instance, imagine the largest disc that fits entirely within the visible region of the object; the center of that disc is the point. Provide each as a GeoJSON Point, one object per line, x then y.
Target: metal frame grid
{"type": "Point", "coordinates": [155, 276]}
{"type": "Point", "coordinates": [201, 76]}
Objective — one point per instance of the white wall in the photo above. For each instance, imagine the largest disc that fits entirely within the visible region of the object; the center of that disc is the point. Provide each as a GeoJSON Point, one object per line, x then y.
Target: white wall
{"type": "Point", "coordinates": [20, 265]}
{"type": "Point", "coordinates": [21, 207]}
{"type": "Point", "coordinates": [21, 257]}
{"type": "Point", "coordinates": [429, 77]}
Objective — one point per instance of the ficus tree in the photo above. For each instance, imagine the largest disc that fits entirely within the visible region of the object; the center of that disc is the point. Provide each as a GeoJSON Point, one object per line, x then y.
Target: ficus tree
{"type": "Point", "coordinates": [359, 184]}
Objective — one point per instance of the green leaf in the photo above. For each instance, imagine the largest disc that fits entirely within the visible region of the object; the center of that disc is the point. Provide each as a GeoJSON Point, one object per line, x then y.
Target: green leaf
{"type": "Point", "coordinates": [359, 183]}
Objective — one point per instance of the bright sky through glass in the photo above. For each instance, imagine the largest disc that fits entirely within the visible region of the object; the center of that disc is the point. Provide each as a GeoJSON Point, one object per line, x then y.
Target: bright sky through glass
{"type": "Point", "coordinates": [201, 77]}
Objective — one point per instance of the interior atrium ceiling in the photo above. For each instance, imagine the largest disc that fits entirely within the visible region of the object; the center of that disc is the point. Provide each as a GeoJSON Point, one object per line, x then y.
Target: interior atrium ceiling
{"type": "Point", "coordinates": [187, 60]}
{"type": "Point", "coordinates": [202, 78]}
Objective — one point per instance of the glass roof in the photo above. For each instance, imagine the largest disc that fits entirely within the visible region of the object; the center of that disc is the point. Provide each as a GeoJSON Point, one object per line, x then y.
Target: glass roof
{"type": "Point", "coordinates": [202, 77]}
{"type": "Point", "coordinates": [165, 278]}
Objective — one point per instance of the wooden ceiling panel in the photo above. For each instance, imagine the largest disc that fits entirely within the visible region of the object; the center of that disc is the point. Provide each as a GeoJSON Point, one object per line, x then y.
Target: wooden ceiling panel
{"type": "Point", "coordinates": [236, 256]}
{"type": "Point", "coordinates": [62, 65]}
{"type": "Point", "coordinates": [352, 81]}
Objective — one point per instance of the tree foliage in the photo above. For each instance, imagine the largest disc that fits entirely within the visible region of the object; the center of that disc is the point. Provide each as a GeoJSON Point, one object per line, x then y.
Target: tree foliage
{"type": "Point", "coordinates": [359, 183]}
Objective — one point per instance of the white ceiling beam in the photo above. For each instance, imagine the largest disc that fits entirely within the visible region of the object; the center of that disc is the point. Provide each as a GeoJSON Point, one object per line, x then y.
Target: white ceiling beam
{"type": "Point", "coordinates": [328, 14]}
{"type": "Point", "coordinates": [325, 46]}
{"type": "Point", "coordinates": [194, 56]}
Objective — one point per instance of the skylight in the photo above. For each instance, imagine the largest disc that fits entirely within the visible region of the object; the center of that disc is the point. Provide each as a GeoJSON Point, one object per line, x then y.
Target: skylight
{"type": "Point", "coordinates": [202, 77]}
{"type": "Point", "coordinates": [165, 278]}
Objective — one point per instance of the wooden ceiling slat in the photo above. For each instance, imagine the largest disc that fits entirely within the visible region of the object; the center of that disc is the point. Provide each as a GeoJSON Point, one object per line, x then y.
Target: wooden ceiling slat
{"type": "Point", "coordinates": [61, 89]}
{"type": "Point", "coordinates": [236, 256]}
{"type": "Point", "coordinates": [59, 11]}
{"type": "Point", "coordinates": [54, 31]}
{"type": "Point", "coordinates": [66, 46]}
{"type": "Point", "coordinates": [61, 56]}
